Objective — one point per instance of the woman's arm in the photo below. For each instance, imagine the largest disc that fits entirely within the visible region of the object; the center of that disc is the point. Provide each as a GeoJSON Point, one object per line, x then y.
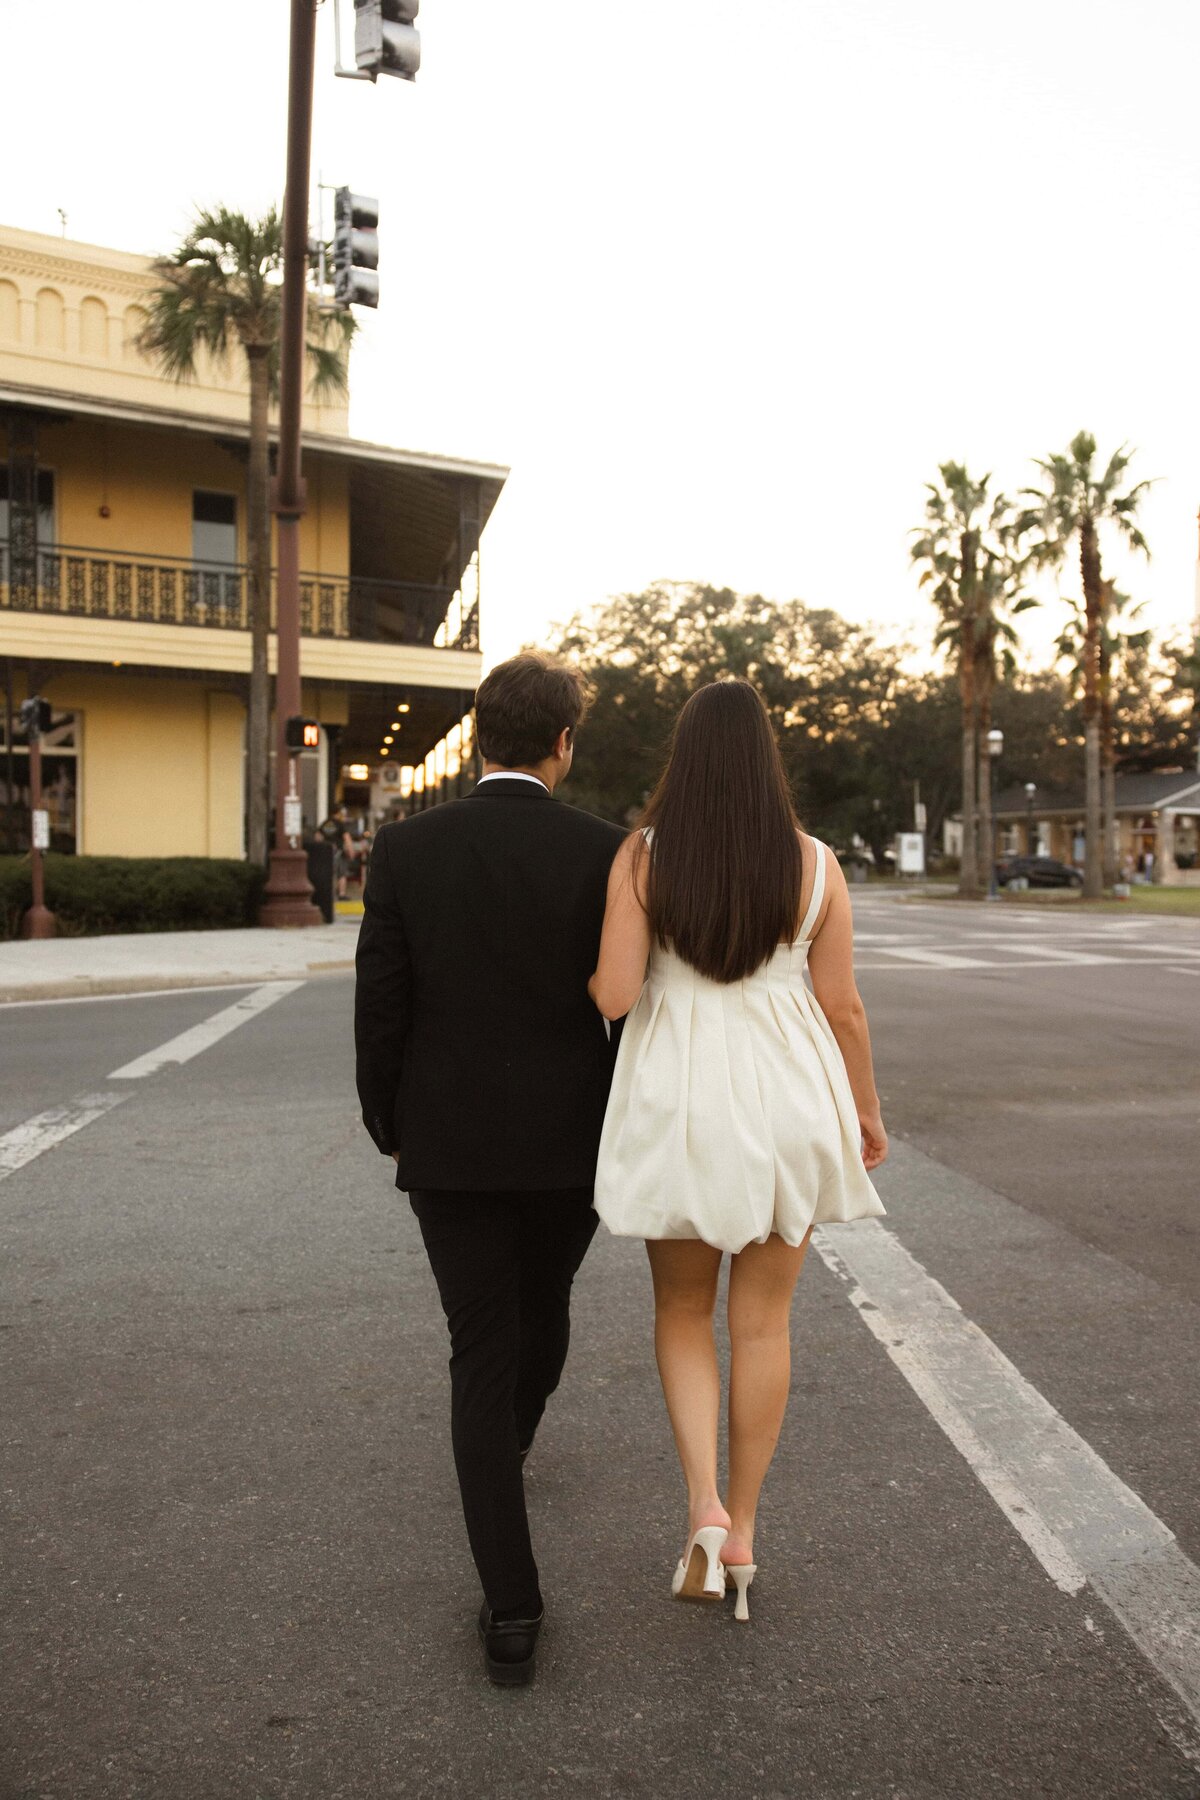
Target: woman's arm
{"type": "Point", "coordinates": [831, 964]}
{"type": "Point", "coordinates": [625, 940]}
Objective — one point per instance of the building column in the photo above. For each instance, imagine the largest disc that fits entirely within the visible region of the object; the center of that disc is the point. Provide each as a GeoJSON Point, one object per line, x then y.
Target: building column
{"type": "Point", "coordinates": [22, 508]}
{"type": "Point", "coordinates": [1165, 870]}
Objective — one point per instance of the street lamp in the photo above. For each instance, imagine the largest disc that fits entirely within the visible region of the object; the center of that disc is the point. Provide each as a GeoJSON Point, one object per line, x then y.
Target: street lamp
{"type": "Point", "coordinates": [1030, 791]}
{"type": "Point", "coordinates": [995, 746]}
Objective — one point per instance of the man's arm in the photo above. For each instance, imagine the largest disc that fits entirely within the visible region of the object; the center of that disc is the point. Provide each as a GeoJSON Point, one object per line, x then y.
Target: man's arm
{"type": "Point", "coordinates": [382, 998]}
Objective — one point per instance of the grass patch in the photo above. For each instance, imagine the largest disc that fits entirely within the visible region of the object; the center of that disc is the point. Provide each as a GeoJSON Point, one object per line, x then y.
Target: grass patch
{"type": "Point", "coordinates": [1165, 902]}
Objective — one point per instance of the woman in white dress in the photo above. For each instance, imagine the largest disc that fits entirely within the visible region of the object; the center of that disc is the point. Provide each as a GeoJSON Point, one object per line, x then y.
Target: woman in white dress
{"type": "Point", "coordinates": [743, 1108]}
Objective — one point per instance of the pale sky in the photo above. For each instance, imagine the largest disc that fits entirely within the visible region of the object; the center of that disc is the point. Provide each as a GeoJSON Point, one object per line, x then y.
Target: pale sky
{"type": "Point", "coordinates": [721, 283]}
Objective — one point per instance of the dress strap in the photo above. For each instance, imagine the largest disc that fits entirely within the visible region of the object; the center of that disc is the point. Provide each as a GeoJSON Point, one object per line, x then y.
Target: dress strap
{"type": "Point", "coordinates": [818, 892]}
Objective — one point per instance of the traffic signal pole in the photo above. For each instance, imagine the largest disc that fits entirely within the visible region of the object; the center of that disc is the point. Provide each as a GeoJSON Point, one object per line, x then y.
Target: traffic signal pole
{"type": "Point", "coordinates": [39, 921]}
{"type": "Point", "coordinates": [287, 899]}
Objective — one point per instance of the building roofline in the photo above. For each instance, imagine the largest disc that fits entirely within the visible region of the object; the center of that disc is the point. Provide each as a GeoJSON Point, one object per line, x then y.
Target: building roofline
{"type": "Point", "coordinates": [104, 256]}
{"type": "Point", "coordinates": [132, 412]}
{"type": "Point", "coordinates": [1189, 784]}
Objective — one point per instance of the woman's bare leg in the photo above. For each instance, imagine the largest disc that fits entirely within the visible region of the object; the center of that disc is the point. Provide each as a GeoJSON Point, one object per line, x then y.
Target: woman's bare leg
{"type": "Point", "coordinates": [761, 1281]}
{"type": "Point", "coordinates": [685, 1275]}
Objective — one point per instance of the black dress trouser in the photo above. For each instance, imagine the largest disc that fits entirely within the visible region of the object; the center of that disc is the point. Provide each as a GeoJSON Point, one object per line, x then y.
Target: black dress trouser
{"type": "Point", "coordinates": [504, 1263]}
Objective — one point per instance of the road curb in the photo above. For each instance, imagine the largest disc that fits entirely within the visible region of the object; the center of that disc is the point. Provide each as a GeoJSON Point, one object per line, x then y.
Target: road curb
{"type": "Point", "coordinates": [83, 987]}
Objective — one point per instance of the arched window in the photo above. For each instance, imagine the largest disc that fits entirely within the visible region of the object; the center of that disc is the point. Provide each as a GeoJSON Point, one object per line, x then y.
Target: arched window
{"type": "Point", "coordinates": [10, 311]}
{"type": "Point", "coordinates": [93, 327]}
{"type": "Point", "coordinates": [50, 332]}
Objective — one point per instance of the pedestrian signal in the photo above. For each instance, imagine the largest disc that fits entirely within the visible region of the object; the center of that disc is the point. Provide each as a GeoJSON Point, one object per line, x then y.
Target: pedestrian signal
{"type": "Point", "coordinates": [386, 42]}
{"type": "Point", "coordinates": [355, 249]}
{"type": "Point", "coordinates": [303, 734]}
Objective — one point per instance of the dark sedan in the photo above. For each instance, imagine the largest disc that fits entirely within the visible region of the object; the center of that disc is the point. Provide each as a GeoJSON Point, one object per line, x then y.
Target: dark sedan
{"type": "Point", "coordinates": [1037, 871]}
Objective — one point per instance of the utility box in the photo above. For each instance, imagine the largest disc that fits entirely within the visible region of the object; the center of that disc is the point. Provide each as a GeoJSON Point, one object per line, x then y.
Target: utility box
{"type": "Point", "coordinates": [910, 853]}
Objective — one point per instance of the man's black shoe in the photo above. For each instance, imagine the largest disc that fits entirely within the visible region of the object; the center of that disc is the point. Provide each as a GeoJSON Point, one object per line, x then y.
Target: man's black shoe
{"type": "Point", "coordinates": [509, 1646]}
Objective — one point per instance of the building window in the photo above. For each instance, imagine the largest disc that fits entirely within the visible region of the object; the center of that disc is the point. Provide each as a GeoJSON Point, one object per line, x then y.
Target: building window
{"type": "Point", "coordinates": [60, 784]}
{"type": "Point", "coordinates": [46, 533]}
{"type": "Point", "coordinates": [215, 552]}
{"type": "Point", "coordinates": [214, 529]}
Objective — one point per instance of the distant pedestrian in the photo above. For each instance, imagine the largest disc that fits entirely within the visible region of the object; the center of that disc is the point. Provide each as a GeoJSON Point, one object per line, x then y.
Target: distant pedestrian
{"type": "Point", "coordinates": [336, 831]}
{"type": "Point", "coordinates": [483, 1068]}
{"type": "Point", "coordinates": [743, 1108]}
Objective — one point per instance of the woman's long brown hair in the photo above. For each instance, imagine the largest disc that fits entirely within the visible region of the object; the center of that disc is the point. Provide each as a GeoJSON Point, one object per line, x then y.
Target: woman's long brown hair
{"type": "Point", "coordinates": [725, 867]}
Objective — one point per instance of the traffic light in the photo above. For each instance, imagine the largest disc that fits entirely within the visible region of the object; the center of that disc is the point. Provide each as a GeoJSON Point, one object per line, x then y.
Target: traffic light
{"type": "Point", "coordinates": [302, 734]}
{"type": "Point", "coordinates": [35, 718]}
{"type": "Point", "coordinates": [386, 42]}
{"type": "Point", "coordinates": [355, 249]}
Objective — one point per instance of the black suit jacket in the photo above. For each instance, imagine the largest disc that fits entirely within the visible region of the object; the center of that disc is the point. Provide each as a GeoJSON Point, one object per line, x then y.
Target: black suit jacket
{"type": "Point", "coordinates": [481, 1059]}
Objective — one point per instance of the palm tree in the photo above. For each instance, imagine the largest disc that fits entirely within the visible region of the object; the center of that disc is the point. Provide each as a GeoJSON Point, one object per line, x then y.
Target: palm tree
{"type": "Point", "coordinates": [1001, 598]}
{"type": "Point", "coordinates": [964, 528]}
{"type": "Point", "coordinates": [1075, 501]}
{"type": "Point", "coordinates": [1119, 647]}
{"type": "Point", "coordinates": [223, 286]}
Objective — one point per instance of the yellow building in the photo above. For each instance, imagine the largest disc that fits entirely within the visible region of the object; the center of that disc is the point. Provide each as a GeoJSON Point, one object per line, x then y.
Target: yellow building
{"type": "Point", "coordinates": [123, 589]}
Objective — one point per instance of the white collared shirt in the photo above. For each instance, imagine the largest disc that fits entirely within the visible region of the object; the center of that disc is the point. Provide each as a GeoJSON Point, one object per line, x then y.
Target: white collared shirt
{"type": "Point", "coordinates": [511, 775]}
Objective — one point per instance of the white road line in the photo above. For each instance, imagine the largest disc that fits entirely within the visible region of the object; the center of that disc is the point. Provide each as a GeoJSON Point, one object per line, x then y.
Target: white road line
{"type": "Point", "coordinates": [190, 1043]}
{"type": "Point", "coordinates": [29, 1139]}
{"type": "Point", "coordinates": [936, 959]}
{"type": "Point", "coordinates": [170, 993]}
{"type": "Point", "coordinates": [1058, 953]}
{"type": "Point", "coordinates": [1079, 1519]}
{"type": "Point", "coordinates": [1014, 966]}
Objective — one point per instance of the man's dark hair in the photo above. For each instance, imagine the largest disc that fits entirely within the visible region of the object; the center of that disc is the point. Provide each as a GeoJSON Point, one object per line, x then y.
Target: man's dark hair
{"type": "Point", "coordinates": [523, 705]}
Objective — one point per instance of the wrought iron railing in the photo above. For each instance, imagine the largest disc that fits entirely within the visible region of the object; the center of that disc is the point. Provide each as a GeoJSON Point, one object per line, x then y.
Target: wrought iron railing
{"type": "Point", "coordinates": [155, 590]}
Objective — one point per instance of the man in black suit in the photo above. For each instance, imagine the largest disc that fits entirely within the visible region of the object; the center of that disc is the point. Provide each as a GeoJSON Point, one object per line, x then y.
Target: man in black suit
{"type": "Point", "coordinates": [484, 1069]}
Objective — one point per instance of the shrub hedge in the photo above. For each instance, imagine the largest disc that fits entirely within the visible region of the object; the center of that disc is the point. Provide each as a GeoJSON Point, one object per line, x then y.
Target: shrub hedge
{"type": "Point", "coordinates": [93, 894]}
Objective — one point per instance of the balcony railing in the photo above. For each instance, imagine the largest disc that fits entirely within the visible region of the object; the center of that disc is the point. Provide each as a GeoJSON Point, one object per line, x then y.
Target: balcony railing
{"type": "Point", "coordinates": [152, 590]}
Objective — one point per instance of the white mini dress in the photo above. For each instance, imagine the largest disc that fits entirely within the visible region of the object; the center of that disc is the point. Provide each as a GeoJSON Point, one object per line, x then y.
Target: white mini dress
{"type": "Point", "coordinates": [730, 1115]}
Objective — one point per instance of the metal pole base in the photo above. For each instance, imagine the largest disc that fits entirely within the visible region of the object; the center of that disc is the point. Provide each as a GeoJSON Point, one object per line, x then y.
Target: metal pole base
{"type": "Point", "coordinates": [288, 895]}
{"type": "Point", "coordinates": [39, 922]}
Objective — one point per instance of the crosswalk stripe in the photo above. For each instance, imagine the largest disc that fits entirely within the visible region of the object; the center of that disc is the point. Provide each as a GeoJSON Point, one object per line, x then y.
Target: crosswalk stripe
{"type": "Point", "coordinates": [1014, 964]}
{"type": "Point", "coordinates": [1078, 1518]}
{"type": "Point", "coordinates": [22, 1143]}
{"type": "Point", "coordinates": [32, 1137]}
{"type": "Point", "coordinates": [190, 1043]}
{"type": "Point", "coordinates": [934, 959]}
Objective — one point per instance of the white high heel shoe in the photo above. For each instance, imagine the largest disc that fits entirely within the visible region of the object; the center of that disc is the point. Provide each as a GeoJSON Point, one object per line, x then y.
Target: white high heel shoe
{"type": "Point", "coordinates": [701, 1574]}
{"type": "Point", "coordinates": [740, 1575]}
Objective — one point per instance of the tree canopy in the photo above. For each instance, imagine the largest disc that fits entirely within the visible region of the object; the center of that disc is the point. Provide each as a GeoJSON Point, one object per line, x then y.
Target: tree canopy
{"type": "Point", "coordinates": [860, 719]}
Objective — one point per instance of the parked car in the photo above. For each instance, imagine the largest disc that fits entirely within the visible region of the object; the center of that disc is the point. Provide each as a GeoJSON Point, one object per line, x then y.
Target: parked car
{"type": "Point", "coordinates": [1037, 871]}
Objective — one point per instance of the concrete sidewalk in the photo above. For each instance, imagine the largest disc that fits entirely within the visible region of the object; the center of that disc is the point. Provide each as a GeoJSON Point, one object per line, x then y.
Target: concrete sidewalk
{"type": "Point", "coordinates": [145, 962]}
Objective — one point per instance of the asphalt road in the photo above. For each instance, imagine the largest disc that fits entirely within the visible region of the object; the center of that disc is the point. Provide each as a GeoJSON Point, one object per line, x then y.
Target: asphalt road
{"type": "Point", "coordinates": [235, 1565]}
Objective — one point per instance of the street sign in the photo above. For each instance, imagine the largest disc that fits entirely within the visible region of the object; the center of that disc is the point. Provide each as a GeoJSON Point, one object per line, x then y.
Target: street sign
{"type": "Point", "coordinates": [919, 820]}
{"type": "Point", "coordinates": [910, 852]}
{"type": "Point", "coordinates": [293, 817]}
{"type": "Point", "coordinates": [41, 828]}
